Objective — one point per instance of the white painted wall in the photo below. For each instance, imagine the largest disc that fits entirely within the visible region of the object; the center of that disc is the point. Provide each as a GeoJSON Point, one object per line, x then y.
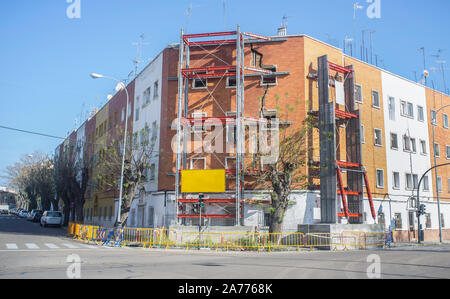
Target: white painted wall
{"type": "Point", "coordinates": [149, 113]}
{"type": "Point", "coordinates": [400, 160]}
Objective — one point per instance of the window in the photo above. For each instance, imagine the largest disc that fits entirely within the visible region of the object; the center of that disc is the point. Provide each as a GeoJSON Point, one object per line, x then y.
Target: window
{"type": "Point", "coordinates": [110, 212]}
{"type": "Point", "coordinates": [410, 110]}
{"type": "Point", "coordinates": [445, 119]}
{"type": "Point", "coordinates": [442, 220]}
{"type": "Point", "coordinates": [439, 184]}
{"type": "Point", "coordinates": [198, 163]}
{"type": "Point", "coordinates": [199, 82]}
{"type": "Point", "coordinates": [136, 112]}
{"type": "Point", "coordinates": [152, 172]}
{"type": "Point", "coordinates": [256, 58]}
{"type": "Point", "coordinates": [147, 93]}
{"type": "Point", "coordinates": [198, 122]}
{"type": "Point", "coordinates": [396, 180]}
{"type": "Point", "coordinates": [427, 220]}
{"type": "Point", "coordinates": [154, 130]}
{"type": "Point", "coordinates": [423, 147]}
{"type": "Point", "coordinates": [375, 99]}
{"type": "Point", "coordinates": [403, 111]}
{"type": "Point", "coordinates": [420, 115]}
{"type": "Point", "coordinates": [378, 137]}
{"type": "Point", "coordinates": [270, 116]}
{"type": "Point", "coordinates": [269, 79]}
{"type": "Point", "coordinates": [130, 109]}
{"type": "Point", "coordinates": [230, 163]}
{"type": "Point", "coordinates": [437, 152]}
{"type": "Point", "coordinates": [433, 117]}
{"type": "Point", "coordinates": [394, 141]}
{"type": "Point", "coordinates": [406, 109]}
{"type": "Point", "coordinates": [406, 143]}
{"type": "Point", "coordinates": [358, 93]}
{"type": "Point", "coordinates": [391, 108]}
{"type": "Point", "coordinates": [448, 185]}
{"type": "Point", "coordinates": [155, 90]}
{"type": "Point", "coordinates": [413, 145]}
{"type": "Point", "coordinates": [411, 181]}
{"type": "Point", "coordinates": [381, 219]}
{"type": "Point", "coordinates": [363, 138]}
{"type": "Point", "coordinates": [380, 178]}
{"type": "Point", "coordinates": [426, 186]}
{"type": "Point", "coordinates": [447, 151]}
{"type": "Point", "coordinates": [398, 220]}
{"type": "Point", "coordinates": [231, 80]}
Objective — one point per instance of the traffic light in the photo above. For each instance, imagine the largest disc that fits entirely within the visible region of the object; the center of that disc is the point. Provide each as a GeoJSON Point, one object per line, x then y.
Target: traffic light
{"type": "Point", "coordinates": [422, 210]}
{"type": "Point", "coordinates": [200, 200]}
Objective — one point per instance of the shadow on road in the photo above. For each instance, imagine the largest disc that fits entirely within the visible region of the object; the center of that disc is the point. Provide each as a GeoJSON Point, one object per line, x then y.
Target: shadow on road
{"type": "Point", "coordinates": [14, 225]}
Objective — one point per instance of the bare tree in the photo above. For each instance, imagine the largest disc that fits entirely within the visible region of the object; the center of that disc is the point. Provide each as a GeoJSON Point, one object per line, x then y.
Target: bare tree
{"type": "Point", "coordinates": [139, 154]}
{"type": "Point", "coordinates": [288, 170]}
{"type": "Point", "coordinates": [32, 178]}
{"type": "Point", "coordinates": [71, 175]}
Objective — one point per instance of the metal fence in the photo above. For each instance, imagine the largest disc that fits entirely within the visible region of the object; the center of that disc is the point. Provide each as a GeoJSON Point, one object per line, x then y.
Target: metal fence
{"type": "Point", "coordinates": [242, 241]}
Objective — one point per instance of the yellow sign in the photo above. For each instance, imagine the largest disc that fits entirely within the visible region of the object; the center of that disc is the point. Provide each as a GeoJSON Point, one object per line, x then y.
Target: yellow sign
{"type": "Point", "coordinates": [203, 180]}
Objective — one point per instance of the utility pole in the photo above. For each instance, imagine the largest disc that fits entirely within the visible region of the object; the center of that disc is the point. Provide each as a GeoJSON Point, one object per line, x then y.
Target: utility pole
{"type": "Point", "coordinates": [200, 205]}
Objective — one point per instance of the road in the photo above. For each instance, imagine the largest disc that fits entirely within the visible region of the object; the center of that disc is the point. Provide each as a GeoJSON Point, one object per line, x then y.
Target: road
{"type": "Point", "coordinates": [30, 251]}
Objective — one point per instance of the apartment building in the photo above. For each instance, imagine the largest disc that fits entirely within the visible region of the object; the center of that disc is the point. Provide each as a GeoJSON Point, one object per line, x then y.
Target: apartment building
{"type": "Point", "coordinates": [396, 134]}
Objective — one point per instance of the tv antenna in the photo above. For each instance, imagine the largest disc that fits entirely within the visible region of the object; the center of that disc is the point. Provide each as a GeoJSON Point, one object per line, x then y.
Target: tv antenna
{"type": "Point", "coordinates": [139, 45]}
{"type": "Point", "coordinates": [188, 14]}
{"type": "Point", "coordinates": [441, 67]}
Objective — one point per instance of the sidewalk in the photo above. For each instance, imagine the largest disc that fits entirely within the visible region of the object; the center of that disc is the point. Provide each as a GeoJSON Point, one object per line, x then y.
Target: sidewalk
{"type": "Point", "coordinates": [424, 243]}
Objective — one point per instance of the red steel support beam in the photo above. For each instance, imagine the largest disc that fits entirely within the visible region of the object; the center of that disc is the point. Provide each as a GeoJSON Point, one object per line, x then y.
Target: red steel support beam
{"type": "Point", "coordinates": [369, 194]}
{"type": "Point", "coordinates": [342, 191]}
{"type": "Point", "coordinates": [339, 68]}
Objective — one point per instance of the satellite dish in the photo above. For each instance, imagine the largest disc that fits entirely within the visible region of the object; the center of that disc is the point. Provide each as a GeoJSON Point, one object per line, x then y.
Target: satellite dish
{"type": "Point", "coordinates": [109, 97]}
{"type": "Point", "coordinates": [425, 73]}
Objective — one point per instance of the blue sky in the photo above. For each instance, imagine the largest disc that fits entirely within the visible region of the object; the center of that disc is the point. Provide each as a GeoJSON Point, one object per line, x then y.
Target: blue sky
{"type": "Point", "coordinates": [46, 57]}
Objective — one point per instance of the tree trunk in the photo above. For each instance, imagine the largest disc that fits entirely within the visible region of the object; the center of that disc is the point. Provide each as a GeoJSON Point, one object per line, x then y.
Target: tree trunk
{"type": "Point", "coordinates": [278, 210]}
{"type": "Point", "coordinates": [79, 213]}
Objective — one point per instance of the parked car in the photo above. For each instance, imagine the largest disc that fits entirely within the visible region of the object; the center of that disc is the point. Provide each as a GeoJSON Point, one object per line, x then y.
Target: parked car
{"type": "Point", "coordinates": [23, 214]}
{"type": "Point", "coordinates": [37, 216]}
{"type": "Point", "coordinates": [51, 218]}
{"type": "Point", "coordinates": [30, 216]}
{"type": "Point", "coordinates": [4, 212]}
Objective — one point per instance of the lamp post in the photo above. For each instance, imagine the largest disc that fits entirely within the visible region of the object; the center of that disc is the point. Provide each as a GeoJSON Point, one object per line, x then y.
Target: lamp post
{"type": "Point", "coordinates": [118, 223]}
{"type": "Point", "coordinates": [433, 123]}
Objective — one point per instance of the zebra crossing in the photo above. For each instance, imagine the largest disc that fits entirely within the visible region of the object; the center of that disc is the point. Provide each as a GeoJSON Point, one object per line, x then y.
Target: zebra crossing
{"type": "Point", "coordinates": [46, 246]}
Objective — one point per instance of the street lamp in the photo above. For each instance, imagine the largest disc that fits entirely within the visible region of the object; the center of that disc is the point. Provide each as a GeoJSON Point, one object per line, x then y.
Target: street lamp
{"type": "Point", "coordinates": [433, 123]}
{"type": "Point", "coordinates": [118, 224]}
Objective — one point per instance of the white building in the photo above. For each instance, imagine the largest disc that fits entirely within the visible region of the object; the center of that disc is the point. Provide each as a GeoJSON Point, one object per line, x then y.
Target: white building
{"type": "Point", "coordinates": [407, 145]}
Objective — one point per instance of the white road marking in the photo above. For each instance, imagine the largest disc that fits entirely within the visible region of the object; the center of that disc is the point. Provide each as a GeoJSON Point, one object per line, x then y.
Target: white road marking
{"type": "Point", "coordinates": [11, 246]}
{"type": "Point", "coordinates": [88, 246]}
{"type": "Point", "coordinates": [70, 245]}
{"type": "Point", "coordinates": [51, 245]}
{"type": "Point", "coordinates": [31, 246]}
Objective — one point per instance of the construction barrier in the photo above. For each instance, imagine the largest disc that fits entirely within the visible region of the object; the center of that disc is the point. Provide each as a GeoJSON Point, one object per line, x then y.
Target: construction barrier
{"type": "Point", "coordinates": [165, 238]}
